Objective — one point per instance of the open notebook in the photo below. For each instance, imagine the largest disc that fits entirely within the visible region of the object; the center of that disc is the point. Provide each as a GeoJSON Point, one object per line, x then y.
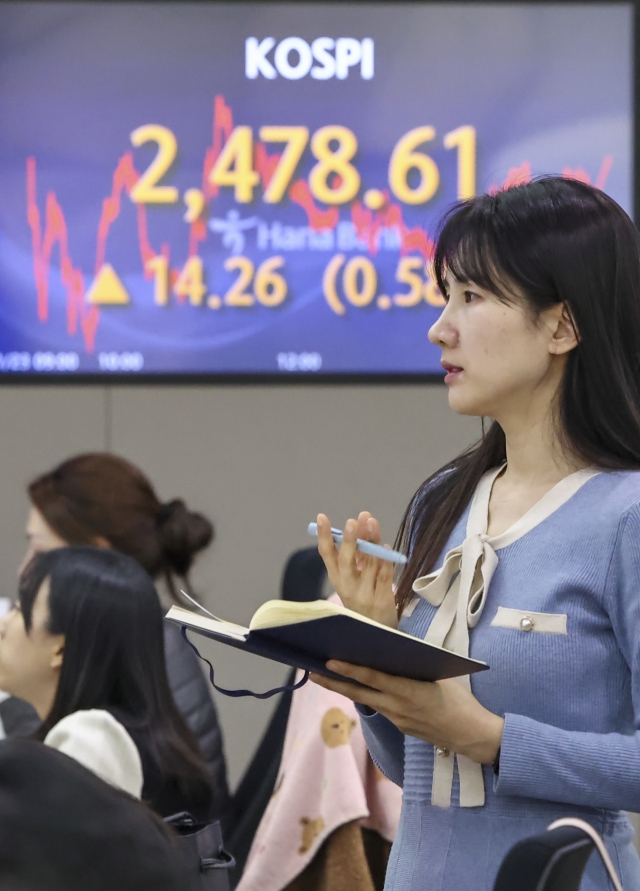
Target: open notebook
{"type": "Point", "coordinates": [307, 635]}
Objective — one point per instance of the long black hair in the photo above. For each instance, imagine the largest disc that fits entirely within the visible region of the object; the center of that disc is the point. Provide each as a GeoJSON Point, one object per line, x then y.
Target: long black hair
{"type": "Point", "coordinates": [107, 608]}
{"type": "Point", "coordinates": [553, 241]}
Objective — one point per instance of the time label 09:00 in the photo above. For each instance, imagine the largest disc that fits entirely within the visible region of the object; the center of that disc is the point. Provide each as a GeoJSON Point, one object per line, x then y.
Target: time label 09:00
{"type": "Point", "coordinates": [18, 361]}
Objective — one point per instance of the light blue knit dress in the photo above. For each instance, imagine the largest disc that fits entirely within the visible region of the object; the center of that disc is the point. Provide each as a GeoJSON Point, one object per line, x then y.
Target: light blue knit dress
{"type": "Point", "coordinates": [571, 701]}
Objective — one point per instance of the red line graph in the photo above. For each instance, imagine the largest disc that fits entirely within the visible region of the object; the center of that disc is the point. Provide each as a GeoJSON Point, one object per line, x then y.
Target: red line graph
{"type": "Point", "coordinates": [124, 178]}
{"type": "Point", "coordinates": [55, 231]}
{"type": "Point", "coordinates": [367, 223]}
{"type": "Point", "coordinates": [518, 176]}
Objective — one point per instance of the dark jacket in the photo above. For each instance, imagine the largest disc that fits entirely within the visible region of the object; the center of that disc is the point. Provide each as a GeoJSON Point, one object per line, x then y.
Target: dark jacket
{"type": "Point", "coordinates": [19, 719]}
{"type": "Point", "coordinates": [64, 829]}
{"type": "Point", "coordinates": [192, 696]}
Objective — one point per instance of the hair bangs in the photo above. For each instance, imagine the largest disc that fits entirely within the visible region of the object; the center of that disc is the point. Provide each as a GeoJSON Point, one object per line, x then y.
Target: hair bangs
{"type": "Point", "coordinates": [468, 248]}
{"type": "Point", "coordinates": [31, 580]}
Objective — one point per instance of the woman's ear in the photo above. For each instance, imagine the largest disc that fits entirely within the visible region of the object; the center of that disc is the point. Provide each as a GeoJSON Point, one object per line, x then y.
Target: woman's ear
{"type": "Point", "coordinates": [57, 657]}
{"type": "Point", "coordinates": [563, 330]}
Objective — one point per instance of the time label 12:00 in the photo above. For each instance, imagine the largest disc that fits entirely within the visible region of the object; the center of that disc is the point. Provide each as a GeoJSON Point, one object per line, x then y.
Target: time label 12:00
{"type": "Point", "coordinates": [333, 179]}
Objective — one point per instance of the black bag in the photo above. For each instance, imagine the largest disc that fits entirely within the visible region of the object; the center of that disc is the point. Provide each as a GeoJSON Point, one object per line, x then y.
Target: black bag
{"type": "Point", "coordinates": [201, 847]}
{"type": "Point", "coordinates": [555, 860]}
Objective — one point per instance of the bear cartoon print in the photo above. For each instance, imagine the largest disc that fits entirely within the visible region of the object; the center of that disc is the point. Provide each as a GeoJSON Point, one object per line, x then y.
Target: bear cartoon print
{"type": "Point", "coordinates": [326, 780]}
{"type": "Point", "coordinates": [311, 829]}
{"type": "Point", "coordinates": [336, 728]}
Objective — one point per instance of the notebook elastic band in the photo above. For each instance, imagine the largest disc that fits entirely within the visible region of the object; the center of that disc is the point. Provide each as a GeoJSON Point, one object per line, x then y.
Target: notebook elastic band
{"type": "Point", "coordinates": [267, 695]}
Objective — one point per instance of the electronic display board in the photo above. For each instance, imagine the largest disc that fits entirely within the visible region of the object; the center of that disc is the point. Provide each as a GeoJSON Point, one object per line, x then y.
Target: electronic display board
{"type": "Point", "coordinates": [253, 189]}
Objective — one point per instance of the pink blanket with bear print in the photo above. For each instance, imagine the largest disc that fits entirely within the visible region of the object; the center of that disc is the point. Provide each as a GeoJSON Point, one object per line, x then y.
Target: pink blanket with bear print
{"type": "Point", "coordinates": [326, 779]}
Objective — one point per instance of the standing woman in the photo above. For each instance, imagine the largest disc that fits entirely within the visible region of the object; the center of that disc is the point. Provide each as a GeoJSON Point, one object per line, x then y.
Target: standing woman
{"type": "Point", "coordinates": [524, 551]}
{"type": "Point", "coordinates": [102, 500]}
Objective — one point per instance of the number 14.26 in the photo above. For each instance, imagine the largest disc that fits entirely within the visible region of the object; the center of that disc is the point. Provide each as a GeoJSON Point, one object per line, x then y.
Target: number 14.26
{"type": "Point", "coordinates": [269, 286]}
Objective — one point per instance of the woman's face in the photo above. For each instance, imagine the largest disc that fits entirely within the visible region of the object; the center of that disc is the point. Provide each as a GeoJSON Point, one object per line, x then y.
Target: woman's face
{"type": "Point", "coordinates": [496, 358]}
{"type": "Point", "coordinates": [30, 662]}
{"type": "Point", "coordinates": [40, 538]}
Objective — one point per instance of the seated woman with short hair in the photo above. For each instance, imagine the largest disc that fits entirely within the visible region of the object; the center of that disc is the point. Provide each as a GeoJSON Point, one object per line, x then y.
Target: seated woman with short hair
{"type": "Point", "coordinates": [84, 646]}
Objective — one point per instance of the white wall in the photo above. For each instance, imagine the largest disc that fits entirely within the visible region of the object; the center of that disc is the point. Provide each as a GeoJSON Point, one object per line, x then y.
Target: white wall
{"type": "Point", "coordinates": [259, 461]}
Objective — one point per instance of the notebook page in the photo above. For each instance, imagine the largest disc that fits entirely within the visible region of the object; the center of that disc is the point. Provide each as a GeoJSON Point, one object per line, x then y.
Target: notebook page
{"type": "Point", "coordinates": [194, 620]}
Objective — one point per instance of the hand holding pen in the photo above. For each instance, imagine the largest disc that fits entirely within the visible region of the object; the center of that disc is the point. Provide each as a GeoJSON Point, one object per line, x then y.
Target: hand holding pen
{"type": "Point", "coordinates": [365, 547]}
{"type": "Point", "coordinates": [364, 582]}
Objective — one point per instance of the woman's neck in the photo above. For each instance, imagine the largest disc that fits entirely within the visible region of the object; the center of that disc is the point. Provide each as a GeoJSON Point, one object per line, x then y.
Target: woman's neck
{"type": "Point", "coordinates": [537, 458]}
{"type": "Point", "coordinates": [42, 699]}
{"type": "Point", "coordinates": [535, 452]}
{"type": "Point", "coordinates": [536, 462]}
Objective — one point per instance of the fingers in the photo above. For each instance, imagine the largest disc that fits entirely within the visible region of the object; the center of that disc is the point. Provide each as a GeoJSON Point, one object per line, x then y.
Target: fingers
{"type": "Point", "coordinates": [362, 528]}
{"type": "Point", "coordinates": [369, 677]}
{"type": "Point", "coordinates": [377, 571]}
{"type": "Point", "coordinates": [370, 698]}
{"type": "Point", "coordinates": [373, 530]}
{"type": "Point", "coordinates": [327, 549]}
{"type": "Point", "coordinates": [347, 553]}
{"type": "Point", "coordinates": [385, 572]}
{"type": "Point", "coordinates": [362, 532]}
{"type": "Point", "coordinates": [370, 569]}
{"type": "Point", "coordinates": [354, 575]}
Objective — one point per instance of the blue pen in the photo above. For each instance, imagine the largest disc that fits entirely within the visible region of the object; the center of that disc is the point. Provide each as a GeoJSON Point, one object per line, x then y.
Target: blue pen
{"type": "Point", "coordinates": [367, 547]}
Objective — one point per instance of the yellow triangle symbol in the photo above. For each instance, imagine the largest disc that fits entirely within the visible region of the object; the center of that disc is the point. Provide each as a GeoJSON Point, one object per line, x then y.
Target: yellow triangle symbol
{"type": "Point", "coordinates": [107, 289]}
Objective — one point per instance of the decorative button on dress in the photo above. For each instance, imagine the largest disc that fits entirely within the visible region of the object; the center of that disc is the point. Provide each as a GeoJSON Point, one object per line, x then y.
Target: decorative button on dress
{"type": "Point", "coordinates": [553, 606]}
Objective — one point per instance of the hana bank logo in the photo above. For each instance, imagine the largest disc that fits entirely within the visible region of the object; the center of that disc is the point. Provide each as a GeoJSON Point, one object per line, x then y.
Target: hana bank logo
{"type": "Point", "coordinates": [294, 58]}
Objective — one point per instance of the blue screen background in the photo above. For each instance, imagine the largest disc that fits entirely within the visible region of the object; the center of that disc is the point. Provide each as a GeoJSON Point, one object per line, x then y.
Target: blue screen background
{"type": "Point", "coordinates": [547, 88]}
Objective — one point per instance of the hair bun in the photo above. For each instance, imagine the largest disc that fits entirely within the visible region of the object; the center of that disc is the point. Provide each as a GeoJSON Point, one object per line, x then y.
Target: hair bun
{"type": "Point", "coordinates": [182, 534]}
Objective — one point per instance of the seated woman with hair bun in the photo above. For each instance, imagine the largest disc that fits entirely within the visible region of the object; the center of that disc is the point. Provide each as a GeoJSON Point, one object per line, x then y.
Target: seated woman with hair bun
{"type": "Point", "coordinates": [102, 500]}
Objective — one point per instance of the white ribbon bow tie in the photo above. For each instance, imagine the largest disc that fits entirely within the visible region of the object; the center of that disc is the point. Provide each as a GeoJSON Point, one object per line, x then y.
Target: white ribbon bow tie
{"type": "Point", "coordinates": [467, 570]}
{"type": "Point", "coordinates": [459, 589]}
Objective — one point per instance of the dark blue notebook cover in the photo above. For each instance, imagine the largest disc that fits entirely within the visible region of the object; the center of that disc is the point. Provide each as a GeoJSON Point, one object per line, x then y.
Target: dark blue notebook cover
{"type": "Point", "coordinates": [309, 645]}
